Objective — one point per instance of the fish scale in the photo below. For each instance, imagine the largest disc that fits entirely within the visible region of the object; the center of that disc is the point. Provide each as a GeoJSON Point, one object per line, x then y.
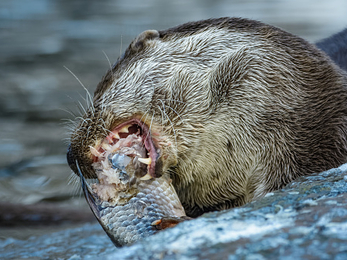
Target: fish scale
{"type": "Point", "coordinates": [137, 225]}
{"type": "Point", "coordinates": [126, 224]}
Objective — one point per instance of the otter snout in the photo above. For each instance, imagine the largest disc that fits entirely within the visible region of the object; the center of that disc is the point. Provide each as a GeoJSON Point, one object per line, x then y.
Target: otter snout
{"type": "Point", "coordinates": [71, 159]}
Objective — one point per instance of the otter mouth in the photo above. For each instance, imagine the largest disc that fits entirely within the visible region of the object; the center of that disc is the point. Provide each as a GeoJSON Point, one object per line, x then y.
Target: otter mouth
{"type": "Point", "coordinates": [133, 138]}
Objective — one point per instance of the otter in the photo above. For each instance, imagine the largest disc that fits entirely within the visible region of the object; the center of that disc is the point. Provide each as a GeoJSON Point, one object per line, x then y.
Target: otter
{"type": "Point", "coordinates": [231, 109]}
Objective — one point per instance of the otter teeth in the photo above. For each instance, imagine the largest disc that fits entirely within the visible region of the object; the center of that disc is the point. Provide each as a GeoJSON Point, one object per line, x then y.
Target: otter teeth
{"type": "Point", "coordinates": [146, 177]}
{"type": "Point", "coordinates": [116, 135]}
{"type": "Point", "coordinates": [124, 129]}
{"type": "Point", "coordinates": [145, 160]}
{"type": "Point", "coordinates": [105, 146]}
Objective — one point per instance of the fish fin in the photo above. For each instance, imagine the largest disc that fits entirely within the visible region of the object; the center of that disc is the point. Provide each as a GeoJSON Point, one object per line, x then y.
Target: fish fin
{"type": "Point", "coordinates": [168, 222]}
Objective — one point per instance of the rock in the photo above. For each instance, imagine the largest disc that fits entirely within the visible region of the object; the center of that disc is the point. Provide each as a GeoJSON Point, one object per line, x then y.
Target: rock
{"type": "Point", "coordinates": [306, 219]}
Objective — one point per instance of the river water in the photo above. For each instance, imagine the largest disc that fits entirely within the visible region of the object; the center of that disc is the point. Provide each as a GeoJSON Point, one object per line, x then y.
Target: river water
{"type": "Point", "coordinates": [41, 41]}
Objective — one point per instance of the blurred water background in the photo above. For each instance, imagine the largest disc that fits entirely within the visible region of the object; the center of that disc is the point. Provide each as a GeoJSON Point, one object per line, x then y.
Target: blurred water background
{"type": "Point", "coordinates": [39, 38]}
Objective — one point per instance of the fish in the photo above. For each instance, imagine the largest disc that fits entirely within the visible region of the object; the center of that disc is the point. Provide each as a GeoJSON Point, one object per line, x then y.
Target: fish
{"type": "Point", "coordinates": [128, 205]}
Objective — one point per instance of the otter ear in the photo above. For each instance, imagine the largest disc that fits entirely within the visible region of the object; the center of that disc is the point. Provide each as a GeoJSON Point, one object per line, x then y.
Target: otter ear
{"type": "Point", "coordinates": [142, 40]}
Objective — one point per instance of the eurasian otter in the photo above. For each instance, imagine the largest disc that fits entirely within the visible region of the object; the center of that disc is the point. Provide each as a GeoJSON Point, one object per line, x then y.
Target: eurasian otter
{"type": "Point", "coordinates": [231, 108]}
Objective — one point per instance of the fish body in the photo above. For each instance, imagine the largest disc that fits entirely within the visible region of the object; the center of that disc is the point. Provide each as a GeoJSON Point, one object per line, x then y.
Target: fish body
{"type": "Point", "coordinates": [133, 221]}
{"type": "Point", "coordinates": [131, 206]}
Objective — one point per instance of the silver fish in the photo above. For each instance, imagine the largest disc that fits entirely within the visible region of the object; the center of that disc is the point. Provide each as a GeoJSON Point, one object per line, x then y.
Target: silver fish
{"type": "Point", "coordinates": [154, 207]}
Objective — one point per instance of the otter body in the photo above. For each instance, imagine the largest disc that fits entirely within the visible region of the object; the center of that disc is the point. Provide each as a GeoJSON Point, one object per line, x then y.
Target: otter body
{"type": "Point", "coordinates": [236, 108]}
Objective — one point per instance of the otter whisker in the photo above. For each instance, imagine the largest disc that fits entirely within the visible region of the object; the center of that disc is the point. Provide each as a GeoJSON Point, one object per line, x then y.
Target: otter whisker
{"type": "Point", "coordinates": [84, 119]}
{"type": "Point", "coordinates": [67, 140]}
{"type": "Point", "coordinates": [109, 63]}
{"type": "Point", "coordinates": [82, 108]}
{"type": "Point", "coordinates": [75, 182]}
{"type": "Point", "coordinates": [150, 127]}
{"type": "Point", "coordinates": [79, 110]}
{"type": "Point", "coordinates": [87, 91]}
{"type": "Point", "coordinates": [177, 114]}
{"type": "Point", "coordinates": [105, 130]}
{"type": "Point", "coordinates": [162, 112]}
{"type": "Point", "coordinates": [71, 113]}
{"type": "Point", "coordinates": [141, 119]}
{"type": "Point", "coordinates": [162, 119]}
{"type": "Point", "coordinates": [87, 107]}
{"type": "Point", "coordinates": [103, 126]}
{"type": "Point", "coordinates": [144, 114]}
{"type": "Point", "coordinates": [174, 131]}
{"type": "Point", "coordinates": [102, 121]}
{"type": "Point", "coordinates": [69, 124]}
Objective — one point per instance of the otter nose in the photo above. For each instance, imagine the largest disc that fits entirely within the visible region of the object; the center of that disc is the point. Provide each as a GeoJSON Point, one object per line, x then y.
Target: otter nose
{"type": "Point", "coordinates": [71, 159]}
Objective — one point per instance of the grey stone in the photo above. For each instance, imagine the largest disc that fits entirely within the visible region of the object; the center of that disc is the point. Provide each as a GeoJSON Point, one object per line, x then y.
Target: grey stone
{"type": "Point", "coordinates": [305, 220]}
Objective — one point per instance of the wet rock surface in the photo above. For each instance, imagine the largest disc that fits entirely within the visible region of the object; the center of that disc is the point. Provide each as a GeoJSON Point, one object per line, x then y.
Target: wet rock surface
{"type": "Point", "coordinates": [305, 220]}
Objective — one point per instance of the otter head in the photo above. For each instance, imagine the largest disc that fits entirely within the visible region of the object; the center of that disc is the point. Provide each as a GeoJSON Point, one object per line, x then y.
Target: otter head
{"type": "Point", "coordinates": [126, 102]}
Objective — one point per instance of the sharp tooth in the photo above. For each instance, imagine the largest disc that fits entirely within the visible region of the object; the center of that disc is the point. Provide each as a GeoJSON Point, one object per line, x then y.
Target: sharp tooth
{"type": "Point", "coordinates": [105, 146]}
{"type": "Point", "coordinates": [94, 151]}
{"type": "Point", "coordinates": [116, 135]}
{"type": "Point", "coordinates": [146, 177]}
{"type": "Point", "coordinates": [145, 160]}
{"type": "Point", "coordinates": [124, 129]}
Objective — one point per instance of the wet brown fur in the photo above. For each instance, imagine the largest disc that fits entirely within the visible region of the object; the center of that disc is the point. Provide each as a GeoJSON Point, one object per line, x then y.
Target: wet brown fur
{"type": "Point", "coordinates": [242, 108]}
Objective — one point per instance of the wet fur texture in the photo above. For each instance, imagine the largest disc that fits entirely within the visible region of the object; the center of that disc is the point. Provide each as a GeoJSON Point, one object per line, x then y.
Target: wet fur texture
{"type": "Point", "coordinates": [241, 109]}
